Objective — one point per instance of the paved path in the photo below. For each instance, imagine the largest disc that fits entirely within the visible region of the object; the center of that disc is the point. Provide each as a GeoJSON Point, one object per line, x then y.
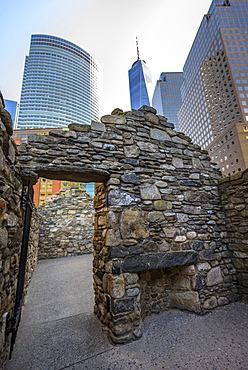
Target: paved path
{"type": "Point", "coordinates": [59, 330]}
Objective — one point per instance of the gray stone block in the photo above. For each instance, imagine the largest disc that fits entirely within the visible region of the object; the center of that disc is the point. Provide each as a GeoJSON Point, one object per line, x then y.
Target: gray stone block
{"type": "Point", "coordinates": [154, 261]}
{"type": "Point", "coordinates": [122, 305]}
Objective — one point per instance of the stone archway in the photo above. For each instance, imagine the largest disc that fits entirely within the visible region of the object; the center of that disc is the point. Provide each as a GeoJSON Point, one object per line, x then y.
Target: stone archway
{"type": "Point", "coordinates": [159, 225]}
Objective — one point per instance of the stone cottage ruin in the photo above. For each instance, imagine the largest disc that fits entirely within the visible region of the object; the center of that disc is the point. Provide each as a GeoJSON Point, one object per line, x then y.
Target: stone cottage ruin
{"type": "Point", "coordinates": [160, 234]}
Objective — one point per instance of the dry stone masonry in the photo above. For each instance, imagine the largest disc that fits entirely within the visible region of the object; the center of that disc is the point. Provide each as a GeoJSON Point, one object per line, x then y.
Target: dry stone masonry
{"type": "Point", "coordinates": [234, 195]}
{"type": "Point", "coordinates": [160, 236]}
{"type": "Point", "coordinates": [67, 224]}
{"type": "Point", "coordinates": [168, 232]}
{"type": "Point", "coordinates": [33, 248]}
{"type": "Point", "coordinates": [11, 226]}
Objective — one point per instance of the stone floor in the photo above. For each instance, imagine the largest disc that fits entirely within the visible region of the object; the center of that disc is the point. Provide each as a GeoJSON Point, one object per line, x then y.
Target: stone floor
{"type": "Point", "coordinates": [59, 330]}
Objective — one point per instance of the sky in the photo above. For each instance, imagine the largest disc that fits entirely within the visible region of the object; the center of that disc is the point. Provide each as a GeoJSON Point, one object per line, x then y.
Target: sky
{"type": "Point", "coordinates": [106, 29]}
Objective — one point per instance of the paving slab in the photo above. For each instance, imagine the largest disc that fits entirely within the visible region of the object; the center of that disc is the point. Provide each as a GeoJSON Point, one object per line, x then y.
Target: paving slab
{"type": "Point", "coordinates": [59, 330]}
{"type": "Point", "coordinates": [60, 287]}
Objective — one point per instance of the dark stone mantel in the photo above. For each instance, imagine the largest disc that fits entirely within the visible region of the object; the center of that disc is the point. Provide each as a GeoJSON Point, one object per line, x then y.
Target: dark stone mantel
{"type": "Point", "coordinates": [153, 261]}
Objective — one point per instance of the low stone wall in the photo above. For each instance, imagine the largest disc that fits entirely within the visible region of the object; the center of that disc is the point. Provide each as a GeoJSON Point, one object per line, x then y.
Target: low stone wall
{"type": "Point", "coordinates": [67, 224]}
{"type": "Point", "coordinates": [33, 248]}
{"type": "Point", "coordinates": [100, 261]}
{"type": "Point", "coordinates": [11, 218]}
{"type": "Point", "coordinates": [11, 228]}
{"type": "Point", "coordinates": [234, 197]}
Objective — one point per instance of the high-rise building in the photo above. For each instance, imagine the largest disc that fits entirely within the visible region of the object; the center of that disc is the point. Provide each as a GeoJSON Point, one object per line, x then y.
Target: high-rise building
{"type": "Point", "coordinates": [167, 95]}
{"type": "Point", "coordinates": [12, 107]}
{"type": "Point", "coordinates": [140, 83]}
{"type": "Point", "coordinates": [61, 84]}
{"type": "Point", "coordinates": [214, 111]}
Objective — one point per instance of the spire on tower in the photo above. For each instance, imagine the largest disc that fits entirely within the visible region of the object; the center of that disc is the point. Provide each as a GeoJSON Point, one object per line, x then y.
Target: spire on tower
{"type": "Point", "coordinates": [137, 46]}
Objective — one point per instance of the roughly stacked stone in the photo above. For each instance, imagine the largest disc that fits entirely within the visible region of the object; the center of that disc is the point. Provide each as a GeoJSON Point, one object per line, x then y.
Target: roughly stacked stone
{"type": "Point", "coordinates": [100, 260]}
{"type": "Point", "coordinates": [33, 247]}
{"type": "Point", "coordinates": [11, 227]}
{"type": "Point", "coordinates": [67, 224]}
{"type": "Point", "coordinates": [10, 224]}
{"type": "Point", "coordinates": [234, 197]}
{"type": "Point", "coordinates": [157, 209]}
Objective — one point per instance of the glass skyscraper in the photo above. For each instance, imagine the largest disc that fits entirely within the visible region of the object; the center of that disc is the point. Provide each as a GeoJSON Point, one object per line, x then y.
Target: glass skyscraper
{"type": "Point", "coordinates": [167, 95]}
{"type": "Point", "coordinates": [62, 84]}
{"type": "Point", "coordinates": [214, 111]}
{"type": "Point", "coordinates": [140, 84]}
{"type": "Point", "coordinates": [12, 107]}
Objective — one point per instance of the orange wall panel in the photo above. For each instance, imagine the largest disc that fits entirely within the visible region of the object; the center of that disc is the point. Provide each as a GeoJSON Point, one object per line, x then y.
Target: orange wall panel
{"type": "Point", "coordinates": [37, 193]}
{"type": "Point", "coordinates": [56, 187]}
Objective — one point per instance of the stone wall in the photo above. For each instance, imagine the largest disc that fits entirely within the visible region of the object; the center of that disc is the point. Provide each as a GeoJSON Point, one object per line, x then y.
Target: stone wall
{"type": "Point", "coordinates": [234, 197]}
{"type": "Point", "coordinates": [10, 223]}
{"type": "Point", "coordinates": [165, 231]}
{"type": "Point", "coordinates": [11, 226]}
{"type": "Point", "coordinates": [160, 234]}
{"type": "Point", "coordinates": [100, 260]}
{"type": "Point", "coordinates": [33, 248]}
{"type": "Point", "coordinates": [67, 224]}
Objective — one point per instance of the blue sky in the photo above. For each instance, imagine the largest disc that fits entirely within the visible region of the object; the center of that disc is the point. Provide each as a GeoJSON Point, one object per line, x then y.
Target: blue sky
{"type": "Point", "coordinates": [106, 29]}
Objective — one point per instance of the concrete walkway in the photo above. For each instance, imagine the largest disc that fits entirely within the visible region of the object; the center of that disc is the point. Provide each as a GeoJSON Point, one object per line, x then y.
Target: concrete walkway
{"type": "Point", "coordinates": [59, 330]}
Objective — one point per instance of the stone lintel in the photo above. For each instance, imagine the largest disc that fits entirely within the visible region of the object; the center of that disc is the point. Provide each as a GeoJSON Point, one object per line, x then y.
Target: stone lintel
{"type": "Point", "coordinates": [75, 174]}
{"type": "Point", "coordinates": [153, 261]}
{"type": "Point", "coordinates": [29, 176]}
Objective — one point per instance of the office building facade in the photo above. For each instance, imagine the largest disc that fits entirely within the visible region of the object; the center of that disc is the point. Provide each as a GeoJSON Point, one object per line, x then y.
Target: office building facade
{"type": "Point", "coordinates": [13, 108]}
{"type": "Point", "coordinates": [214, 111]}
{"type": "Point", "coordinates": [140, 84]}
{"type": "Point", "coordinates": [62, 83]}
{"type": "Point", "coordinates": [167, 96]}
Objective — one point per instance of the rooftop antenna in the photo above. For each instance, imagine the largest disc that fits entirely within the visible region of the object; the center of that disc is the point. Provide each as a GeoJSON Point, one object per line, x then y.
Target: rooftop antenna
{"type": "Point", "coordinates": [137, 46]}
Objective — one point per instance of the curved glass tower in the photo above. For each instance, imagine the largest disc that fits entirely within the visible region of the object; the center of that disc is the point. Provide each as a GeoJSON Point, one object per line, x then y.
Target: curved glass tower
{"type": "Point", "coordinates": [62, 84]}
